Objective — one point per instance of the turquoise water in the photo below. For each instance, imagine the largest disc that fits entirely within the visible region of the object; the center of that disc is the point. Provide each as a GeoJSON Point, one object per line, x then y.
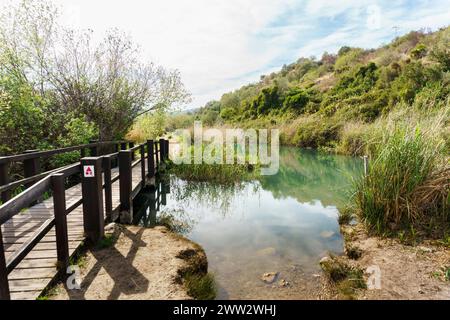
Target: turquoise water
{"type": "Point", "coordinates": [283, 223]}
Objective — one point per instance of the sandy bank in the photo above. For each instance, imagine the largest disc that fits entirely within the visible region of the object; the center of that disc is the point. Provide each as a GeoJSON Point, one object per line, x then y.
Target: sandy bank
{"type": "Point", "coordinates": [142, 264]}
{"type": "Point", "coordinates": [406, 272]}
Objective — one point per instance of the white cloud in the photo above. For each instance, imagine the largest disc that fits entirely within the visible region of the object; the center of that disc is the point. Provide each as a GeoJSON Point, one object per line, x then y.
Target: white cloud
{"type": "Point", "coordinates": [219, 45]}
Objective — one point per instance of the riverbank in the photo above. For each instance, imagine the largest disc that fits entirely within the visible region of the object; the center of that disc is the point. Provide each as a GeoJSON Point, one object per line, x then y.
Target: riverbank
{"type": "Point", "coordinates": [134, 263]}
{"type": "Point", "coordinates": [417, 272]}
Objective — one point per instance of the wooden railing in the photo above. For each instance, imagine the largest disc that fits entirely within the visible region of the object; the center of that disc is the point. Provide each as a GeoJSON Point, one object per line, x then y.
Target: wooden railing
{"type": "Point", "coordinates": [151, 155]}
{"type": "Point", "coordinates": [32, 161]}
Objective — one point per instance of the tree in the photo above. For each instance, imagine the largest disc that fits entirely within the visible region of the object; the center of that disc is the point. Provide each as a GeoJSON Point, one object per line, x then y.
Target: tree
{"type": "Point", "coordinates": [296, 100]}
{"type": "Point", "coordinates": [107, 83]}
{"type": "Point", "coordinates": [268, 99]}
{"type": "Point", "coordinates": [21, 116]}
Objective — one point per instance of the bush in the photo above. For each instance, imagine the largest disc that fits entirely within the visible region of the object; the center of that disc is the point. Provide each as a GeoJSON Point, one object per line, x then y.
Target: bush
{"type": "Point", "coordinates": [440, 51]}
{"type": "Point", "coordinates": [296, 100]}
{"type": "Point", "coordinates": [419, 51]}
{"type": "Point", "coordinates": [353, 139]}
{"type": "Point", "coordinates": [22, 117]}
{"type": "Point", "coordinates": [78, 131]}
{"type": "Point", "coordinates": [316, 132]}
{"type": "Point", "coordinates": [148, 126]}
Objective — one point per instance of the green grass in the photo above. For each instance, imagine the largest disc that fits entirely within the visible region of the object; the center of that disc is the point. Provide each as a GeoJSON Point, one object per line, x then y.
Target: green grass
{"type": "Point", "coordinates": [200, 287]}
{"type": "Point", "coordinates": [218, 173]}
{"type": "Point", "coordinates": [407, 183]}
{"type": "Point", "coordinates": [224, 174]}
{"type": "Point", "coordinates": [106, 242]}
{"type": "Point", "coordinates": [47, 294]}
{"type": "Point", "coordinates": [346, 278]}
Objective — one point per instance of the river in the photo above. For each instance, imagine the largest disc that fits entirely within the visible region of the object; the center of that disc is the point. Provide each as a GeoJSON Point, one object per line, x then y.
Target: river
{"type": "Point", "coordinates": [282, 224]}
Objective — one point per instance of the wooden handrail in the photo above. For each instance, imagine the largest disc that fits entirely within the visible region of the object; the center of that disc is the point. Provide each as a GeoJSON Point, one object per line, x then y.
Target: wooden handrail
{"type": "Point", "coordinates": [24, 199]}
{"type": "Point", "coordinates": [18, 183]}
{"type": "Point", "coordinates": [49, 153]}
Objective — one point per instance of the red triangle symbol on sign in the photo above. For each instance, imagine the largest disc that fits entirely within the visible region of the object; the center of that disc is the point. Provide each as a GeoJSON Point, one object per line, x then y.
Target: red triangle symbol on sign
{"type": "Point", "coordinates": [88, 171]}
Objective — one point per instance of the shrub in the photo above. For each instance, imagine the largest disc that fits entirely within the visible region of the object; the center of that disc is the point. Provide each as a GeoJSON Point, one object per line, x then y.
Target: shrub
{"type": "Point", "coordinates": [440, 52]}
{"type": "Point", "coordinates": [419, 51]}
{"type": "Point", "coordinates": [315, 132]}
{"type": "Point", "coordinates": [296, 100]}
{"type": "Point", "coordinates": [353, 139]}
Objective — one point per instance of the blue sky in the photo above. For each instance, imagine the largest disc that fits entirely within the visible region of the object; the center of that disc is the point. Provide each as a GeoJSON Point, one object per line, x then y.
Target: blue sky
{"type": "Point", "coordinates": [219, 45]}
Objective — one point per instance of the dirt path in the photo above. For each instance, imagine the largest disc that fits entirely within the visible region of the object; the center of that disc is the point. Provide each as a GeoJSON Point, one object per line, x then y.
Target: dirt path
{"type": "Point", "coordinates": [144, 264]}
{"type": "Point", "coordinates": [407, 272]}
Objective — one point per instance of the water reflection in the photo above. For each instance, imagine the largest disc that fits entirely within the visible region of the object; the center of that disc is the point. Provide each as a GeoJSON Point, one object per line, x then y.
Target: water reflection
{"type": "Point", "coordinates": [283, 223]}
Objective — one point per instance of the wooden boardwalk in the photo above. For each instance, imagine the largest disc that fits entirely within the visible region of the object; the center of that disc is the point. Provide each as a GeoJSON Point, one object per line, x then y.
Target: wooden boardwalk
{"type": "Point", "coordinates": [36, 271]}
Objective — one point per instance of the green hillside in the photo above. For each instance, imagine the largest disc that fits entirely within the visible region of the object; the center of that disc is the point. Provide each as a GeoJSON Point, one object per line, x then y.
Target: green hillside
{"type": "Point", "coordinates": [338, 102]}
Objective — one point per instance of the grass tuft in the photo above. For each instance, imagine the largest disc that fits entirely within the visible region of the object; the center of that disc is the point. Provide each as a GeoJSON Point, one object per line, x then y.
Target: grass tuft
{"type": "Point", "coordinates": [200, 287]}
{"type": "Point", "coordinates": [106, 242]}
{"type": "Point", "coordinates": [407, 183]}
{"type": "Point", "coordinates": [347, 279]}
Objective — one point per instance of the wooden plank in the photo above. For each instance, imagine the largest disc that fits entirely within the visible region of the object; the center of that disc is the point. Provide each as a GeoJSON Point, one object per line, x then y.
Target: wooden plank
{"type": "Point", "coordinates": [29, 295]}
{"type": "Point", "coordinates": [41, 263]}
{"type": "Point", "coordinates": [41, 254]}
{"type": "Point", "coordinates": [28, 285]}
{"type": "Point", "coordinates": [42, 246]}
{"type": "Point", "coordinates": [34, 273]}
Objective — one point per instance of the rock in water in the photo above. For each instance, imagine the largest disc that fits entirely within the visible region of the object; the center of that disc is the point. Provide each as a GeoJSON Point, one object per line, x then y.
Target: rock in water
{"type": "Point", "coordinates": [283, 283]}
{"type": "Point", "coordinates": [109, 229]}
{"type": "Point", "coordinates": [324, 260]}
{"type": "Point", "coordinates": [269, 277]}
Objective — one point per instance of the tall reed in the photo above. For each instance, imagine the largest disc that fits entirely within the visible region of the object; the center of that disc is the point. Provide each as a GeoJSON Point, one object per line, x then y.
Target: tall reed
{"type": "Point", "coordinates": [408, 181]}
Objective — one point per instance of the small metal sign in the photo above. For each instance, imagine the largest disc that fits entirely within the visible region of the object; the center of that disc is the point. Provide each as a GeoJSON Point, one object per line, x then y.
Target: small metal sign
{"type": "Point", "coordinates": [89, 171]}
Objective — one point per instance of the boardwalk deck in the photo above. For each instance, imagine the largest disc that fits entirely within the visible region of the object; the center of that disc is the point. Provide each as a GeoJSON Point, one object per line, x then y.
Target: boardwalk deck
{"type": "Point", "coordinates": [38, 269]}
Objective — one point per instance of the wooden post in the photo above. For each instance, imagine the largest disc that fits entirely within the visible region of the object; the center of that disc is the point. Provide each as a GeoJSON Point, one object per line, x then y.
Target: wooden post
{"type": "Point", "coordinates": [31, 167]}
{"type": "Point", "coordinates": [167, 149]}
{"type": "Point", "coordinates": [116, 160]}
{"type": "Point", "coordinates": [143, 175]}
{"type": "Point", "coordinates": [131, 145]}
{"type": "Point", "coordinates": [123, 146]}
{"type": "Point", "coordinates": [108, 186]}
{"type": "Point", "coordinates": [4, 179]}
{"type": "Point", "coordinates": [4, 285]}
{"type": "Point", "coordinates": [93, 150]}
{"type": "Point", "coordinates": [92, 193]}
{"type": "Point", "coordinates": [162, 148]}
{"type": "Point", "coordinates": [156, 156]}
{"type": "Point", "coordinates": [59, 204]}
{"type": "Point", "coordinates": [125, 182]}
{"type": "Point", "coordinates": [151, 159]}
{"type": "Point", "coordinates": [366, 165]}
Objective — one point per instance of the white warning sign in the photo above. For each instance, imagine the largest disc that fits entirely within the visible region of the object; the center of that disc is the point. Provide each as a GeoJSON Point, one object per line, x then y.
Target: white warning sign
{"type": "Point", "coordinates": [89, 171]}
